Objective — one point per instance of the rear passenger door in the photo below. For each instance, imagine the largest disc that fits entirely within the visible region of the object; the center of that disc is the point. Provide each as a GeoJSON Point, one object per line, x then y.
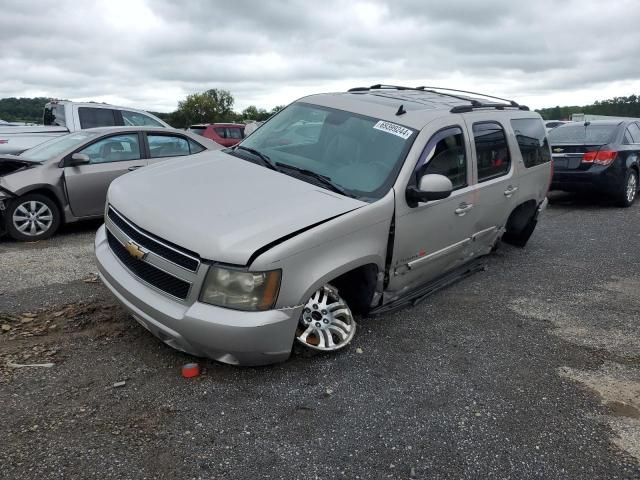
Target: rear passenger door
{"type": "Point", "coordinates": [165, 146]}
{"type": "Point", "coordinates": [496, 193]}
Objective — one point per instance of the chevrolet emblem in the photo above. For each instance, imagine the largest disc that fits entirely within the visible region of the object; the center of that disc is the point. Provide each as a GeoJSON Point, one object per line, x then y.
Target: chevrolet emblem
{"type": "Point", "coordinates": [558, 150]}
{"type": "Point", "coordinates": [135, 250]}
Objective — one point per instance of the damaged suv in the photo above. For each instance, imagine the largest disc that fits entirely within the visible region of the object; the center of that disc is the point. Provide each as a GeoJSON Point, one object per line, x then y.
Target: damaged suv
{"type": "Point", "coordinates": [393, 193]}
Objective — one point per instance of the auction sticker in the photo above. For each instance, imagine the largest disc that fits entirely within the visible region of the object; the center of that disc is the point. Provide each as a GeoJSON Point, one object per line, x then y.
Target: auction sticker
{"type": "Point", "coordinates": [394, 129]}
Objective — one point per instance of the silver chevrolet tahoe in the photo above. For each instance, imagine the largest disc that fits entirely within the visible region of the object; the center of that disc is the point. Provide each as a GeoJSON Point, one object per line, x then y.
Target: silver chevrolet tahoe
{"type": "Point", "coordinates": [340, 205]}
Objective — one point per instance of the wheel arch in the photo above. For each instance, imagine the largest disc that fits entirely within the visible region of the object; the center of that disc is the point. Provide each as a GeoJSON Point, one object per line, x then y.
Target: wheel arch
{"type": "Point", "coordinates": [44, 190]}
{"type": "Point", "coordinates": [521, 223]}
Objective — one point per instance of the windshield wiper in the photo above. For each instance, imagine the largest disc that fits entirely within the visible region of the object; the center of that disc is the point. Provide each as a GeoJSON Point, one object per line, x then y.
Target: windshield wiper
{"type": "Point", "coordinates": [323, 179]}
{"type": "Point", "coordinates": [265, 159]}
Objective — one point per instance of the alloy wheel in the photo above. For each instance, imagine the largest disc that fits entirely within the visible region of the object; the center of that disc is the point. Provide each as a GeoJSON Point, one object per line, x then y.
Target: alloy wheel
{"type": "Point", "coordinates": [32, 218]}
{"type": "Point", "coordinates": [632, 187]}
{"type": "Point", "coordinates": [326, 322]}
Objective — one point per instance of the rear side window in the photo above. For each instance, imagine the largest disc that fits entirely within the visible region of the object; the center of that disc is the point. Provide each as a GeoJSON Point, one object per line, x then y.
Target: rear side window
{"type": "Point", "coordinates": [532, 141]}
{"type": "Point", "coordinates": [167, 146]}
{"type": "Point", "coordinates": [234, 132]}
{"type": "Point", "coordinates": [54, 116]}
{"type": "Point", "coordinates": [635, 132]}
{"type": "Point", "coordinates": [222, 132]}
{"type": "Point", "coordinates": [445, 155]}
{"type": "Point", "coordinates": [492, 151]}
{"type": "Point", "coordinates": [96, 117]}
{"type": "Point", "coordinates": [136, 119]}
{"type": "Point", "coordinates": [195, 147]}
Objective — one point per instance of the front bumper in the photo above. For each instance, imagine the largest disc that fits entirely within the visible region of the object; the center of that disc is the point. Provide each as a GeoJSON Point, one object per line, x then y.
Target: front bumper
{"type": "Point", "coordinates": [229, 336]}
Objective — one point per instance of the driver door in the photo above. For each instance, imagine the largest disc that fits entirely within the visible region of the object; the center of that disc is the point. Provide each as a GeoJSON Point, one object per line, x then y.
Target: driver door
{"type": "Point", "coordinates": [433, 237]}
{"type": "Point", "coordinates": [110, 157]}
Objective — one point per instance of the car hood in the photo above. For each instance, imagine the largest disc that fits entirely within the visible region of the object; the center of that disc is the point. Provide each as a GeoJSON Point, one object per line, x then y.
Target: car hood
{"type": "Point", "coordinates": [222, 207]}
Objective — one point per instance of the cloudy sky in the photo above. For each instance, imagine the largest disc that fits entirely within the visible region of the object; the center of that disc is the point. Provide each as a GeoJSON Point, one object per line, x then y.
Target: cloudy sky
{"type": "Point", "coordinates": [151, 54]}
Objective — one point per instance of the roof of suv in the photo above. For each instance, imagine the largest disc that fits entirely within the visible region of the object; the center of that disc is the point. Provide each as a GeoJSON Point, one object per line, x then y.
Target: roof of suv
{"type": "Point", "coordinates": [412, 107]}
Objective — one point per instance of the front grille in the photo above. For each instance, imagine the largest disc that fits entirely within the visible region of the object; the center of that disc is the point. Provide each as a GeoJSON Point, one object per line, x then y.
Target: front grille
{"type": "Point", "coordinates": [173, 253]}
{"type": "Point", "coordinates": [148, 273]}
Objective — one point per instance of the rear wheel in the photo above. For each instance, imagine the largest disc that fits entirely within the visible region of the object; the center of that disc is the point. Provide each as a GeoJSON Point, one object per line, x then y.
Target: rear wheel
{"type": "Point", "coordinates": [326, 323]}
{"type": "Point", "coordinates": [32, 217]}
{"type": "Point", "coordinates": [629, 189]}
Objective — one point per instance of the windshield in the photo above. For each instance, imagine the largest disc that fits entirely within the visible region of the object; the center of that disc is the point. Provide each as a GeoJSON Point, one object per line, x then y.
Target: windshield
{"type": "Point", "coordinates": [361, 155]}
{"type": "Point", "coordinates": [578, 133]}
{"type": "Point", "coordinates": [53, 148]}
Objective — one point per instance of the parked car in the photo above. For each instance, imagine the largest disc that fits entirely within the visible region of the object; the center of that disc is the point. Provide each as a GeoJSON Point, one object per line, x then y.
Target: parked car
{"type": "Point", "coordinates": [599, 156]}
{"type": "Point", "coordinates": [226, 134]}
{"type": "Point", "coordinates": [62, 117]}
{"type": "Point", "coordinates": [66, 179]}
{"type": "Point", "coordinates": [241, 252]}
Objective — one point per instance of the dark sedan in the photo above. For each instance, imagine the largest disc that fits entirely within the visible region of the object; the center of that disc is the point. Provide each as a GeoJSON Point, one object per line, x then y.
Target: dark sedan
{"type": "Point", "coordinates": [599, 156]}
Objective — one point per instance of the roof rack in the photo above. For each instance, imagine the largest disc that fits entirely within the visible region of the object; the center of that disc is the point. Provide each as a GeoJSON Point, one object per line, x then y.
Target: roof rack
{"type": "Point", "coordinates": [457, 109]}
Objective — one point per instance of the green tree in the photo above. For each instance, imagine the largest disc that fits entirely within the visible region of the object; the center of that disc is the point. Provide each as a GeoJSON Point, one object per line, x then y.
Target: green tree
{"type": "Point", "coordinates": [207, 107]}
{"type": "Point", "coordinates": [254, 113]}
{"type": "Point", "coordinates": [276, 109]}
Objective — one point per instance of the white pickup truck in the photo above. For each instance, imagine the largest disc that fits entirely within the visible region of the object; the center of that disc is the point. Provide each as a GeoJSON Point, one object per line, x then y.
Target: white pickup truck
{"type": "Point", "coordinates": [62, 117]}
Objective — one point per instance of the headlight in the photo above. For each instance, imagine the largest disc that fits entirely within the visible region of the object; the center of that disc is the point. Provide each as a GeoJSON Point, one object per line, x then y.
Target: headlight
{"type": "Point", "coordinates": [241, 290]}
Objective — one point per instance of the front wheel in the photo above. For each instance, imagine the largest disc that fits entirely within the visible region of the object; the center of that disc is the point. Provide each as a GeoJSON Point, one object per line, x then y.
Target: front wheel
{"type": "Point", "coordinates": [629, 189]}
{"type": "Point", "coordinates": [32, 217]}
{"type": "Point", "coordinates": [326, 323]}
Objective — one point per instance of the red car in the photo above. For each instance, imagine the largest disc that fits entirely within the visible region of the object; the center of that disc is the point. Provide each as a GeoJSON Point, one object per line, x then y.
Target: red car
{"type": "Point", "coordinates": [226, 134]}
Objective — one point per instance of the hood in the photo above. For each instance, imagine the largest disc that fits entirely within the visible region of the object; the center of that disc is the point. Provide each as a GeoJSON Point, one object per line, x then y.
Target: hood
{"type": "Point", "coordinates": [12, 163]}
{"type": "Point", "coordinates": [222, 207]}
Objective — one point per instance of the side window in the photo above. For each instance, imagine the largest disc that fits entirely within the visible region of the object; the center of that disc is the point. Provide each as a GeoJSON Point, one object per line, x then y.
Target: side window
{"type": "Point", "coordinates": [167, 146]}
{"type": "Point", "coordinates": [136, 119]}
{"type": "Point", "coordinates": [491, 150]}
{"type": "Point", "coordinates": [222, 132]}
{"type": "Point", "coordinates": [445, 155]}
{"type": "Point", "coordinates": [628, 139]}
{"type": "Point", "coordinates": [195, 147]}
{"type": "Point", "coordinates": [532, 141]}
{"type": "Point", "coordinates": [117, 148]}
{"type": "Point", "coordinates": [234, 133]}
{"type": "Point", "coordinates": [96, 117]}
{"type": "Point", "coordinates": [635, 132]}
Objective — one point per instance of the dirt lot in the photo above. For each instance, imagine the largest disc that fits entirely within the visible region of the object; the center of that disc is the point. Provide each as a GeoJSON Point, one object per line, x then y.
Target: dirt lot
{"type": "Point", "coordinates": [528, 370]}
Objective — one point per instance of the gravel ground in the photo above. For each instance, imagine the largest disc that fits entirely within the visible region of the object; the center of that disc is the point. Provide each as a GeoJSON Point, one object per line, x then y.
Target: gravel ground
{"type": "Point", "coordinates": [528, 370]}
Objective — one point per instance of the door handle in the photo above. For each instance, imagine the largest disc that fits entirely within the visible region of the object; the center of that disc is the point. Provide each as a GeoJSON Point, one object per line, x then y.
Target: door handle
{"type": "Point", "coordinates": [510, 191]}
{"type": "Point", "coordinates": [135, 167]}
{"type": "Point", "coordinates": [463, 208]}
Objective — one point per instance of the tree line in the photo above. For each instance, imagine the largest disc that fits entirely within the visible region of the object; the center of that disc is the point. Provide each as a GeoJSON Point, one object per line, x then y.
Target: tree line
{"type": "Point", "coordinates": [616, 107]}
{"type": "Point", "coordinates": [216, 105]}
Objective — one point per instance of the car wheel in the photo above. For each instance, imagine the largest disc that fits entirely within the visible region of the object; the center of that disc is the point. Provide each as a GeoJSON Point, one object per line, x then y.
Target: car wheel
{"type": "Point", "coordinates": [629, 189]}
{"type": "Point", "coordinates": [32, 217]}
{"type": "Point", "coordinates": [326, 323]}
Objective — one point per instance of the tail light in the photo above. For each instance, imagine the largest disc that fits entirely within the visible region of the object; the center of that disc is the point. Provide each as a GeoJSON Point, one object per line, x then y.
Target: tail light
{"type": "Point", "coordinates": [600, 157]}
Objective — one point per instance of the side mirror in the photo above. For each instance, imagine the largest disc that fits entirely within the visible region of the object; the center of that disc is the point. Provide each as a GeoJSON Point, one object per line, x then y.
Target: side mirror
{"type": "Point", "coordinates": [431, 187]}
{"type": "Point", "coordinates": [78, 159]}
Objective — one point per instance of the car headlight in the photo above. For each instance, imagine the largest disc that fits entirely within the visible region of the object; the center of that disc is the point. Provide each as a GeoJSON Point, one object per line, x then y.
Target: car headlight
{"type": "Point", "coordinates": [241, 290]}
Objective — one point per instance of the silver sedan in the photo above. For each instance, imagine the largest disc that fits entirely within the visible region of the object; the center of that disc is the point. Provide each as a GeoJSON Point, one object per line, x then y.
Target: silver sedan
{"type": "Point", "coordinates": [66, 179]}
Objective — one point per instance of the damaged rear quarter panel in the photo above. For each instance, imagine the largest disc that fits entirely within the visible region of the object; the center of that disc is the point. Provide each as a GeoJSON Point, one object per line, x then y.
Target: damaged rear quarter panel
{"type": "Point", "coordinates": [319, 255]}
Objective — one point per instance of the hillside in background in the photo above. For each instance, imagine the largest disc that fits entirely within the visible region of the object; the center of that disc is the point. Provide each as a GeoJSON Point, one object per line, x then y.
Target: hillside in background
{"type": "Point", "coordinates": [617, 107]}
{"type": "Point", "coordinates": [22, 109]}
